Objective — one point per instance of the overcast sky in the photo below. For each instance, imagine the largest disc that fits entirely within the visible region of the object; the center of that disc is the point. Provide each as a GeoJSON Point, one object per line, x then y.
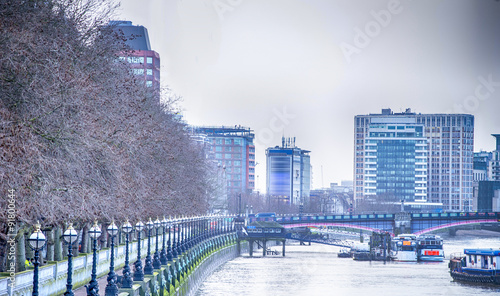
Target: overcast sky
{"type": "Point", "coordinates": [305, 68]}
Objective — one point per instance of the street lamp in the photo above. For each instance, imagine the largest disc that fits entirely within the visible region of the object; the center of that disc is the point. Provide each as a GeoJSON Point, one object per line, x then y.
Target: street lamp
{"type": "Point", "coordinates": [148, 267]}
{"type": "Point", "coordinates": [174, 244]}
{"type": "Point", "coordinates": [93, 286]}
{"type": "Point", "coordinates": [127, 280]}
{"type": "Point", "coordinates": [156, 257]}
{"type": "Point", "coordinates": [170, 256]}
{"type": "Point", "coordinates": [138, 273]}
{"type": "Point", "coordinates": [112, 288]}
{"type": "Point", "coordinates": [163, 254]}
{"type": "Point", "coordinates": [36, 241]}
{"type": "Point", "coordinates": [70, 236]}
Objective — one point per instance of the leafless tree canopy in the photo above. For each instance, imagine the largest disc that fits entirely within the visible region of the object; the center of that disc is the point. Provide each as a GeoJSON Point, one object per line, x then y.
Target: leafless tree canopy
{"type": "Point", "coordinates": [80, 137]}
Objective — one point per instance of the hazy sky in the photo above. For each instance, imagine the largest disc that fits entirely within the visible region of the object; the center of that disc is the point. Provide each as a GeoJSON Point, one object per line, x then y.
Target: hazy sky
{"type": "Point", "coordinates": [305, 68]}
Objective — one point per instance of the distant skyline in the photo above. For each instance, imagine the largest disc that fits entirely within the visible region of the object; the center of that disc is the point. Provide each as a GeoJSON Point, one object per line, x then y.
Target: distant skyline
{"type": "Point", "coordinates": [304, 69]}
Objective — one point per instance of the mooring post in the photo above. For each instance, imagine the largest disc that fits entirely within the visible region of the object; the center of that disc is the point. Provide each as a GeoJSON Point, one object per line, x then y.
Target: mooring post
{"type": "Point", "coordinates": [250, 249]}
{"type": "Point", "coordinates": [283, 242]}
{"type": "Point", "coordinates": [264, 248]}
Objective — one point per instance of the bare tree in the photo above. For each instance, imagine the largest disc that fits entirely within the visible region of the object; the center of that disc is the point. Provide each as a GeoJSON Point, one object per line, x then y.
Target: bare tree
{"type": "Point", "coordinates": [81, 138]}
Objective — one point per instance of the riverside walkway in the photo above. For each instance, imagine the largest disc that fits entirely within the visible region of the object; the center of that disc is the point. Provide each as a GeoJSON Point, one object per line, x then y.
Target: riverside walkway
{"type": "Point", "coordinates": [174, 262]}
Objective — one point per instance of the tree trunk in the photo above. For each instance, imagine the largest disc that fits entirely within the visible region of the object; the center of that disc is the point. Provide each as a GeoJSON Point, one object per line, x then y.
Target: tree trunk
{"type": "Point", "coordinates": [28, 251]}
{"type": "Point", "coordinates": [85, 238]}
{"type": "Point", "coordinates": [58, 250]}
{"type": "Point", "coordinates": [3, 255]}
{"type": "Point", "coordinates": [20, 251]}
{"type": "Point", "coordinates": [50, 245]}
{"type": "Point", "coordinates": [76, 245]}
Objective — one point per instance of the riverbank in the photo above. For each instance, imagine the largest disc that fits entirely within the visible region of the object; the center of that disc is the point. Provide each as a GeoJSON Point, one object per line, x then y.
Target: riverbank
{"type": "Point", "coordinates": [477, 233]}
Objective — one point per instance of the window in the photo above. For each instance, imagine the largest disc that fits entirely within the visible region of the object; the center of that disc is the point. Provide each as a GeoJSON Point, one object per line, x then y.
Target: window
{"type": "Point", "coordinates": [218, 141]}
{"type": "Point", "coordinates": [138, 71]}
{"type": "Point", "coordinates": [149, 60]}
{"type": "Point", "coordinates": [228, 141]}
{"type": "Point", "coordinates": [227, 156]}
{"type": "Point", "coordinates": [149, 71]}
{"type": "Point", "coordinates": [228, 148]}
{"type": "Point", "coordinates": [237, 141]}
{"type": "Point", "coordinates": [218, 155]}
{"type": "Point", "coordinates": [237, 163]}
{"type": "Point", "coordinates": [218, 148]}
{"type": "Point", "coordinates": [135, 60]}
{"type": "Point", "coordinates": [149, 83]}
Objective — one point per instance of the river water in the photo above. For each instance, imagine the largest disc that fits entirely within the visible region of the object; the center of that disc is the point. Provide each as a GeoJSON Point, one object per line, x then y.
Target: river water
{"type": "Point", "coordinates": [316, 270]}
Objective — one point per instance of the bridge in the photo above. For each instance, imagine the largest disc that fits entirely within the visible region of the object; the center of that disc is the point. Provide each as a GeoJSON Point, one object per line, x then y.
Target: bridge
{"type": "Point", "coordinates": [416, 223]}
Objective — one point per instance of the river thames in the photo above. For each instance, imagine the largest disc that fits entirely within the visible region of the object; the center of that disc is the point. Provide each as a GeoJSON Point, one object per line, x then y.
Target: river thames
{"type": "Point", "coordinates": [316, 270]}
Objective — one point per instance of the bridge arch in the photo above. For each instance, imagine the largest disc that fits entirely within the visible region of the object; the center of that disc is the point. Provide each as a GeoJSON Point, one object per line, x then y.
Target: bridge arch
{"type": "Point", "coordinates": [347, 225]}
{"type": "Point", "coordinates": [450, 225]}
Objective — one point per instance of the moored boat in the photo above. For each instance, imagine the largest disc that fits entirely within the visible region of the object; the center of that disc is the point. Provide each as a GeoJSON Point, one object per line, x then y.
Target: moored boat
{"type": "Point", "coordinates": [360, 252]}
{"type": "Point", "coordinates": [404, 248]}
{"type": "Point", "coordinates": [344, 253]}
{"type": "Point", "coordinates": [476, 266]}
{"type": "Point", "coordinates": [430, 248]}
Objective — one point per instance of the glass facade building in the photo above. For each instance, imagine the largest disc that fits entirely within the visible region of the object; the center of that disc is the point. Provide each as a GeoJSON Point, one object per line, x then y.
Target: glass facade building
{"type": "Point", "coordinates": [415, 157]}
{"type": "Point", "coordinates": [288, 173]}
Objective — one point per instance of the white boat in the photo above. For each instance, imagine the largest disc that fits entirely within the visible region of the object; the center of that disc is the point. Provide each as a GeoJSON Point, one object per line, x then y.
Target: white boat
{"type": "Point", "coordinates": [404, 248]}
{"type": "Point", "coordinates": [430, 248]}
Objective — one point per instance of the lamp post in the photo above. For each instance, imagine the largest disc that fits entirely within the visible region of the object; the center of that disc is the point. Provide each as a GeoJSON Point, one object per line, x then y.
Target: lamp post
{"type": "Point", "coordinates": [156, 256]}
{"type": "Point", "coordinates": [36, 241]}
{"type": "Point", "coordinates": [163, 253]}
{"type": "Point", "coordinates": [138, 273]}
{"type": "Point", "coordinates": [174, 245]}
{"type": "Point", "coordinates": [70, 236]}
{"type": "Point", "coordinates": [170, 256]}
{"type": "Point", "coordinates": [180, 237]}
{"type": "Point", "coordinates": [93, 286]}
{"type": "Point", "coordinates": [127, 280]}
{"type": "Point", "coordinates": [112, 288]}
{"type": "Point", "coordinates": [148, 267]}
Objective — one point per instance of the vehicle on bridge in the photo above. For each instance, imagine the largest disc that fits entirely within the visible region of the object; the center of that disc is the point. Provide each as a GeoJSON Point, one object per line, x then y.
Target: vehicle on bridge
{"type": "Point", "coordinates": [404, 248]}
{"type": "Point", "coordinates": [430, 248]}
{"type": "Point", "coordinates": [476, 266]}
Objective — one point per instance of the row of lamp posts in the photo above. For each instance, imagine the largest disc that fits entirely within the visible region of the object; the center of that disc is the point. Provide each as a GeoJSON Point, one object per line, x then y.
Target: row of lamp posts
{"type": "Point", "coordinates": [181, 241]}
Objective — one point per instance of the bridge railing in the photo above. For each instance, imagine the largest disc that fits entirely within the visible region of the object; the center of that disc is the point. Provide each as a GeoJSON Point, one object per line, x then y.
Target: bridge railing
{"type": "Point", "coordinates": [459, 215]}
{"type": "Point", "coordinates": [318, 218]}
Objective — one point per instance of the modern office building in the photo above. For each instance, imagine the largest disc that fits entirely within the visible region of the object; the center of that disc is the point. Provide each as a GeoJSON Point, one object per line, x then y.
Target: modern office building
{"type": "Point", "coordinates": [288, 173]}
{"type": "Point", "coordinates": [488, 199]}
{"type": "Point", "coordinates": [143, 60]}
{"type": "Point", "coordinates": [233, 149]}
{"type": "Point", "coordinates": [486, 172]}
{"type": "Point", "coordinates": [483, 166]}
{"type": "Point", "coordinates": [414, 157]}
{"type": "Point", "coordinates": [495, 160]}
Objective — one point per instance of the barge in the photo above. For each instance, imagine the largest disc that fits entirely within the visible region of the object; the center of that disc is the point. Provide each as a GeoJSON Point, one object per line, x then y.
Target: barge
{"type": "Point", "coordinates": [476, 266]}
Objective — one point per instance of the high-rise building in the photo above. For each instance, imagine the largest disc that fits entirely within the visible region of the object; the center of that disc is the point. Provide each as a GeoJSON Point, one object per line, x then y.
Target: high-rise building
{"type": "Point", "coordinates": [483, 166]}
{"type": "Point", "coordinates": [495, 160]}
{"type": "Point", "coordinates": [143, 61]}
{"type": "Point", "coordinates": [288, 173]}
{"type": "Point", "coordinates": [413, 157]}
{"type": "Point", "coordinates": [234, 150]}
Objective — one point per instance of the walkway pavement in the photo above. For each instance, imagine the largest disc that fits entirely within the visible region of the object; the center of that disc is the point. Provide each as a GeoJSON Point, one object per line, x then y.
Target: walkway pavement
{"type": "Point", "coordinates": [103, 282]}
